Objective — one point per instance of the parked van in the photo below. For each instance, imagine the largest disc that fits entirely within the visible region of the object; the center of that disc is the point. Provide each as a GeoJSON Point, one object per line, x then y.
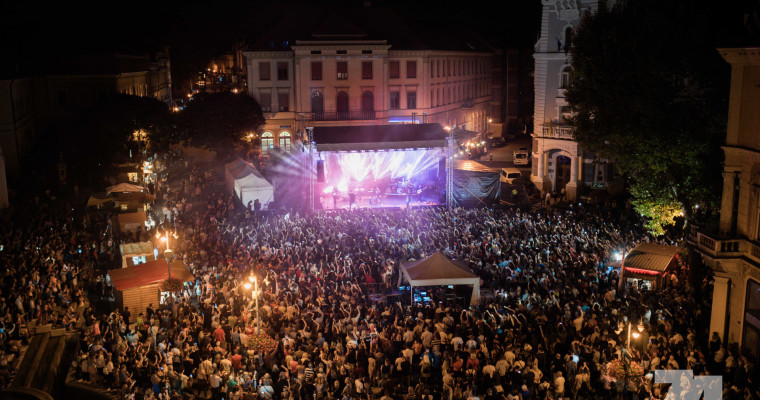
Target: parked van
{"type": "Point", "coordinates": [521, 156]}
{"type": "Point", "coordinates": [508, 175]}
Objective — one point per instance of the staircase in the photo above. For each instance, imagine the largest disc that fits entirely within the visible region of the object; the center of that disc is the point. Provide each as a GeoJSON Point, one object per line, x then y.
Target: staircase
{"type": "Point", "coordinates": [47, 360]}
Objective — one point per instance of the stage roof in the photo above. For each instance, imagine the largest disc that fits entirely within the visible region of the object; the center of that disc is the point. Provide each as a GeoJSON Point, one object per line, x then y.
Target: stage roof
{"type": "Point", "coordinates": [379, 137]}
{"type": "Point", "coordinates": [469, 165]}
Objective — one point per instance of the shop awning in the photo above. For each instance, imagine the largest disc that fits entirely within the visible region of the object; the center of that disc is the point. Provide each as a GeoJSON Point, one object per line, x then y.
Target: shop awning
{"type": "Point", "coordinates": [651, 259]}
{"type": "Point", "coordinates": [149, 273]}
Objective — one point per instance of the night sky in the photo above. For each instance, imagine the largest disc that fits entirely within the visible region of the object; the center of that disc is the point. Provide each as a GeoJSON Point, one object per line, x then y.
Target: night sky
{"type": "Point", "coordinates": [32, 32]}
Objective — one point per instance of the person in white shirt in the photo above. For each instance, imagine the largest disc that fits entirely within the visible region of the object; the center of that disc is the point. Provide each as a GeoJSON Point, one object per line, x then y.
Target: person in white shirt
{"type": "Point", "coordinates": [559, 385]}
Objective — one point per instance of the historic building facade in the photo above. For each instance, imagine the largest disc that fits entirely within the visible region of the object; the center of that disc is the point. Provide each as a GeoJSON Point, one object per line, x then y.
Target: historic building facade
{"type": "Point", "coordinates": [335, 74]}
{"type": "Point", "coordinates": [733, 251]}
{"type": "Point", "coordinates": [558, 160]}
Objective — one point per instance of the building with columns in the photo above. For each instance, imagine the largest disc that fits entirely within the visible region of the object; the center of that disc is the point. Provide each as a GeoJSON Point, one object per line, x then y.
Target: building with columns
{"type": "Point", "coordinates": [733, 252]}
{"type": "Point", "coordinates": [558, 160]}
{"type": "Point", "coordinates": [366, 66]}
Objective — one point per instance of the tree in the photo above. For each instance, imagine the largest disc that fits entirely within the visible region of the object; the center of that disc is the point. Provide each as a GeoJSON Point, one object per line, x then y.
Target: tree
{"type": "Point", "coordinates": [220, 121]}
{"type": "Point", "coordinates": [650, 91]}
{"type": "Point", "coordinates": [107, 131]}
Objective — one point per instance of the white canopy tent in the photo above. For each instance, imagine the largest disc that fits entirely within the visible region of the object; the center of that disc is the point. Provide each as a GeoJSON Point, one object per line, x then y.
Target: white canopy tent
{"type": "Point", "coordinates": [232, 170]}
{"type": "Point", "coordinates": [438, 270]}
{"type": "Point", "coordinates": [254, 186]}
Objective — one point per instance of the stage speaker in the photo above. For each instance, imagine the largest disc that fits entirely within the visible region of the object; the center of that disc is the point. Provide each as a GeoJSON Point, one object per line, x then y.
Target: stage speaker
{"type": "Point", "coordinates": [320, 171]}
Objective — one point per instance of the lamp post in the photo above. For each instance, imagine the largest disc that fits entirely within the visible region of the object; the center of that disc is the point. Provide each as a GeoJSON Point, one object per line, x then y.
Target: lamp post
{"type": "Point", "coordinates": [620, 256]}
{"type": "Point", "coordinates": [255, 295]}
{"type": "Point", "coordinates": [168, 252]}
{"type": "Point", "coordinates": [635, 334]}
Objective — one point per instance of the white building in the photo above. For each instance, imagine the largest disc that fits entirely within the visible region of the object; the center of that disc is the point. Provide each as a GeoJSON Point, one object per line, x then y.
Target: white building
{"type": "Point", "coordinates": [558, 160]}
{"type": "Point", "coordinates": [734, 251]}
{"type": "Point", "coordinates": [325, 71]}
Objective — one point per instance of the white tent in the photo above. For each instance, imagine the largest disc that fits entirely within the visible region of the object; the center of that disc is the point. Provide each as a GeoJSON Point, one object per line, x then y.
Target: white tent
{"type": "Point", "coordinates": [232, 170]}
{"type": "Point", "coordinates": [438, 270]}
{"type": "Point", "coordinates": [254, 186]}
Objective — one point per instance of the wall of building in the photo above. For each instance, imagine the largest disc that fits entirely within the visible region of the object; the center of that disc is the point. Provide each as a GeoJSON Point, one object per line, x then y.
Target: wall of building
{"type": "Point", "coordinates": [450, 88]}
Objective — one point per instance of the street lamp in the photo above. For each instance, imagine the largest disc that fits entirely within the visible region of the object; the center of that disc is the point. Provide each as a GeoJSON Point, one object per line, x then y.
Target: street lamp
{"type": "Point", "coordinates": [168, 252]}
{"type": "Point", "coordinates": [620, 256]}
{"type": "Point", "coordinates": [255, 295]}
{"type": "Point", "coordinates": [635, 334]}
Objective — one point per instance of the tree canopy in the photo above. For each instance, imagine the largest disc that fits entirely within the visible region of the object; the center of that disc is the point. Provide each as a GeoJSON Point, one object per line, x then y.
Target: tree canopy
{"type": "Point", "coordinates": [650, 91]}
{"type": "Point", "coordinates": [106, 131]}
{"type": "Point", "coordinates": [220, 121]}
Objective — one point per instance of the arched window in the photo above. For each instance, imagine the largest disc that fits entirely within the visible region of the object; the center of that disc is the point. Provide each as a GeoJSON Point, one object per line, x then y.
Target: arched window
{"type": "Point", "coordinates": [285, 141]}
{"type": "Point", "coordinates": [267, 142]}
{"type": "Point", "coordinates": [564, 77]}
{"type": "Point", "coordinates": [317, 102]}
{"type": "Point", "coordinates": [568, 38]}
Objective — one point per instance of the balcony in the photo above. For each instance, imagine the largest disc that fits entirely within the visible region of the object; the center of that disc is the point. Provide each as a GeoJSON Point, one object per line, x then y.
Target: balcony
{"type": "Point", "coordinates": [468, 103]}
{"type": "Point", "coordinates": [558, 131]}
{"type": "Point", "coordinates": [343, 115]}
{"type": "Point", "coordinates": [715, 246]}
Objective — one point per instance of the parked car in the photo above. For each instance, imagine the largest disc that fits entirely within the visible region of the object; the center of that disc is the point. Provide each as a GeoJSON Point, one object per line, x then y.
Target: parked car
{"type": "Point", "coordinates": [521, 156]}
{"type": "Point", "coordinates": [497, 142]}
{"type": "Point", "coordinates": [508, 175]}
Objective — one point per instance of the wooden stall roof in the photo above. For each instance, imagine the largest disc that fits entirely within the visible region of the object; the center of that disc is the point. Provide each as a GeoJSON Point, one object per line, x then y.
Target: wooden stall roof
{"type": "Point", "coordinates": [650, 257]}
{"type": "Point", "coordinates": [148, 273]}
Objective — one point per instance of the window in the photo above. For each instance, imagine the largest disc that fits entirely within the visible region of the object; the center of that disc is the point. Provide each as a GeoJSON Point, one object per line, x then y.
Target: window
{"type": "Point", "coordinates": [282, 71]}
{"type": "Point", "coordinates": [568, 38]}
{"type": "Point", "coordinates": [317, 102]}
{"type": "Point", "coordinates": [283, 100]}
{"type": "Point", "coordinates": [285, 141]}
{"type": "Point", "coordinates": [564, 78]}
{"type": "Point", "coordinates": [342, 70]}
{"type": "Point", "coordinates": [366, 51]}
{"type": "Point", "coordinates": [395, 101]}
{"type": "Point", "coordinates": [432, 97]}
{"type": "Point", "coordinates": [267, 142]}
{"type": "Point", "coordinates": [411, 99]}
{"type": "Point", "coordinates": [265, 100]}
{"type": "Point", "coordinates": [411, 69]}
{"type": "Point", "coordinates": [395, 69]}
{"type": "Point", "coordinates": [368, 101]}
{"type": "Point", "coordinates": [316, 52]}
{"type": "Point", "coordinates": [366, 69]}
{"type": "Point", "coordinates": [316, 70]}
{"type": "Point", "coordinates": [438, 68]}
{"type": "Point", "coordinates": [341, 52]}
{"type": "Point", "coordinates": [342, 102]}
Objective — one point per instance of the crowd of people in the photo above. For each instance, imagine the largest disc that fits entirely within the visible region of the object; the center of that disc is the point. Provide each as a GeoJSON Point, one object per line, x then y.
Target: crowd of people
{"type": "Point", "coordinates": [552, 329]}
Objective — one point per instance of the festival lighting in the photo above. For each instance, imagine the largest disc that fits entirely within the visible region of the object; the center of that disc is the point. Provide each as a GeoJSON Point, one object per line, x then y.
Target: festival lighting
{"type": "Point", "coordinates": [359, 167]}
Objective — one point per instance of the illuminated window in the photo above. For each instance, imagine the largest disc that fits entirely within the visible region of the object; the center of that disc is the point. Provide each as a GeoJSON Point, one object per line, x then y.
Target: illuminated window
{"type": "Point", "coordinates": [285, 141]}
{"type": "Point", "coordinates": [342, 70]}
{"type": "Point", "coordinates": [267, 142]}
